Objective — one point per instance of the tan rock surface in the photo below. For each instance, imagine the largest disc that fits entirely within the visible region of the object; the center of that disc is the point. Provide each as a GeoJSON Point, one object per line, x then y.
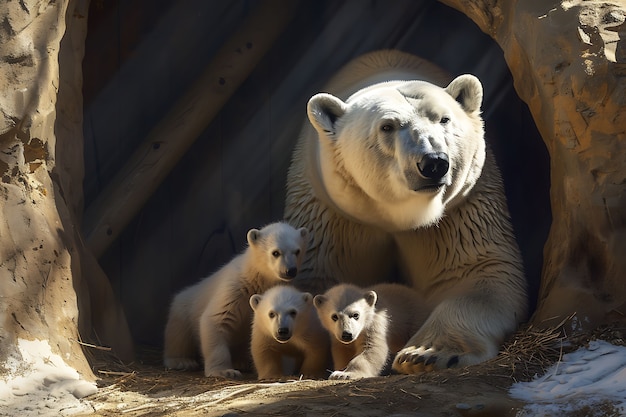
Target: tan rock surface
{"type": "Point", "coordinates": [568, 60]}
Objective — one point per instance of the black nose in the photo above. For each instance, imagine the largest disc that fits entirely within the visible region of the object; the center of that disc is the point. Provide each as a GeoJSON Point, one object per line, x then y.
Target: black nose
{"type": "Point", "coordinates": [283, 334]}
{"type": "Point", "coordinates": [292, 272]}
{"type": "Point", "coordinates": [346, 336]}
{"type": "Point", "coordinates": [434, 165]}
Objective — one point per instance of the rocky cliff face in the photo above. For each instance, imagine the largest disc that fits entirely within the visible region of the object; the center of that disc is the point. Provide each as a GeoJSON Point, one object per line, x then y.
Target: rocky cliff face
{"type": "Point", "coordinates": [568, 60]}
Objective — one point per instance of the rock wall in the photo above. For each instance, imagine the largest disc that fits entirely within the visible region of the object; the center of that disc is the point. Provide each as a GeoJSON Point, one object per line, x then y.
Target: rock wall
{"type": "Point", "coordinates": [41, 253]}
{"type": "Point", "coordinates": [568, 61]}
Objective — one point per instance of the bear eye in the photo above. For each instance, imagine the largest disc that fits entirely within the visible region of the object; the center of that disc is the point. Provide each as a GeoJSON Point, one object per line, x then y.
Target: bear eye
{"type": "Point", "coordinates": [387, 127]}
{"type": "Point", "coordinates": [444, 120]}
{"type": "Point", "coordinates": [272, 314]}
{"type": "Point", "coordinates": [297, 252]}
{"type": "Point", "coordinates": [293, 313]}
{"type": "Point", "coordinates": [355, 316]}
{"type": "Point", "coordinates": [334, 317]}
{"type": "Point", "coordinates": [276, 254]}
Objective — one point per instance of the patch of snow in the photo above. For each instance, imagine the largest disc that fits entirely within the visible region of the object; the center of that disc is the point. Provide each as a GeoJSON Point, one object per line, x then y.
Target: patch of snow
{"type": "Point", "coordinates": [589, 378]}
{"type": "Point", "coordinates": [40, 383]}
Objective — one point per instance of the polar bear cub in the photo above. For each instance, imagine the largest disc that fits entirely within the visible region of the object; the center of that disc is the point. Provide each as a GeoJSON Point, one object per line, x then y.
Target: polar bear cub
{"type": "Point", "coordinates": [368, 325]}
{"type": "Point", "coordinates": [215, 314]}
{"type": "Point", "coordinates": [286, 326]}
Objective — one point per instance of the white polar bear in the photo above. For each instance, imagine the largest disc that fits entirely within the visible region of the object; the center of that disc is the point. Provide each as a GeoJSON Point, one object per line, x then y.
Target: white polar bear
{"type": "Point", "coordinates": [393, 179]}
{"type": "Point", "coordinates": [366, 325]}
{"type": "Point", "coordinates": [286, 326]}
{"type": "Point", "coordinates": [215, 312]}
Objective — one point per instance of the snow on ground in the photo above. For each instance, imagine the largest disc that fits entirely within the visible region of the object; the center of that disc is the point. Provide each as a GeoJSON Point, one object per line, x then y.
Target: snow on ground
{"type": "Point", "coordinates": [588, 378]}
{"type": "Point", "coordinates": [40, 383]}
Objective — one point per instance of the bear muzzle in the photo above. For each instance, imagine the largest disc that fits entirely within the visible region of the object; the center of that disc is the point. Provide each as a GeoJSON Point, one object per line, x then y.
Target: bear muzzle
{"type": "Point", "coordinates": [283, 334]}
{"type": "Point", "coordinates": [290, 273]}
{"type": "Point", "coordinates": [346, 337]}
{"type": "Point", "coordinates": [434, 166]}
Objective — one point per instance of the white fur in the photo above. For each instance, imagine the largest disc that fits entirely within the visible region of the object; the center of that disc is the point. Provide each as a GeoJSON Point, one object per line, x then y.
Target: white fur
{"type": "Point", "coordinates": [215, 314]}
{"type": "Point", "coordinates": [286, 325]}
{"type": "Point", "coordinates": [354, 183]}
{"type": "Point", "coordinates": [379, 320]}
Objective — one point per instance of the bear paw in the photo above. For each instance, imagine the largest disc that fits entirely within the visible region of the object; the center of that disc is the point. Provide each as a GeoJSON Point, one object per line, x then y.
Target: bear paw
{"type": "Point", "coordinates": [181, 364]}
{"type": "Point", "coordinates": [223, 373]}
{"type": "Point", "coordinates": [414, 360]}
{"type": "Point", "coordinates": [342, 375]}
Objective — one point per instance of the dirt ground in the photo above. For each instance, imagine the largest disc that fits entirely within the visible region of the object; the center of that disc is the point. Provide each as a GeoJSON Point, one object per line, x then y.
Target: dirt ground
{"type": "Point", "coordinates": [145, 388]}
{"type": "Point", "coordinates": [149, 391]}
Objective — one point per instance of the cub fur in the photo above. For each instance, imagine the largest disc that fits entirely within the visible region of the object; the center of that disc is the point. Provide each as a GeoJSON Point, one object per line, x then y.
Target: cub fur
{"type": "Point", "coordinates": [214, 313]}
{"type": "Point", "coordinates": [286, 326]}
{"type": "Point", "coordinates": [395, 181]}
{"type": "Point", "coordinates": [367, 325]}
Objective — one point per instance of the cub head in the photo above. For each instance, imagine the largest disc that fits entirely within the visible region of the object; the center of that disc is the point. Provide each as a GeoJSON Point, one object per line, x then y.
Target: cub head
{"type": "Point", "coordinates": [345, 313]}
{"type": "Point", "coordinates": [278, 311]}
{"type": "Point", "coordinates": [396, 154]}
{"type": "Point", "coordinates": [278, 249]}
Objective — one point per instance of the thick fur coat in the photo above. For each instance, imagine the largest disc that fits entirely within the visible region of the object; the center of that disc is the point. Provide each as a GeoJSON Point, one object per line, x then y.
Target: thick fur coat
{"type": "Point", "coordinates": [286, 330]}
{"type": "Point", "coordinates": [394, 181]}
{"type": "Point", "coordinates": [366, 326]}
{"type": "Point", "coordinates": [214, 315]}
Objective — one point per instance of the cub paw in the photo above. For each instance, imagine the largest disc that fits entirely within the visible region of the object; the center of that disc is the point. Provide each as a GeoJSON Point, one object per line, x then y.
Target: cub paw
{"type": "Point", "coordinates": [414, 360]}
{"type": "Point", "coordinates": [223, 373]}
{"type": "Point", "coordinates": [342, 375]}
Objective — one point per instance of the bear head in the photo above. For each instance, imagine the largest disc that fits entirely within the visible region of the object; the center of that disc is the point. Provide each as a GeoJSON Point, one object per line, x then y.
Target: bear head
{"type": "Point", "coordinates": [396, 154]}
{"type": "Point", "coordinates": [278, 249]}
{"type": "Point", "coordinates": [345, 311]}
{"type": "Point", "coordinates": [279, 309]}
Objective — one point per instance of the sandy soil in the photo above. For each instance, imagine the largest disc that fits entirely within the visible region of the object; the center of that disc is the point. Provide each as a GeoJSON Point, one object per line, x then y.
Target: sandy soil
{"type": "Point", "coordinates": [145, 388]}
{"type": "Point", "coordinates": [188, 394]}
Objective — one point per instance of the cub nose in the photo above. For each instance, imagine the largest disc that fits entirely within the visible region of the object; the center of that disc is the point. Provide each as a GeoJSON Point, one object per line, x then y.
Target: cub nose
{"type": "Point", "coordinates": [346, 336]}
{"type": "Point", "coordinates": [434, 165]}
{"type": "Point", "coordinates": [283, 333]}
{"type": "Point", "coordinates": [292, 272]}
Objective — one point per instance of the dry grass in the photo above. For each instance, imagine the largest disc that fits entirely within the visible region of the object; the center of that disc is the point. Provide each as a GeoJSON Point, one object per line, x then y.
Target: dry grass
{"type": "Point", "coordinates": [528, 353]}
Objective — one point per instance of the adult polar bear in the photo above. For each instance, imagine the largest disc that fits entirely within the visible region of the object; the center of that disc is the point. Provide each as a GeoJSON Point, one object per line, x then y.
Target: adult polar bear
{"type": "Point", "coordinates": [393, 179]}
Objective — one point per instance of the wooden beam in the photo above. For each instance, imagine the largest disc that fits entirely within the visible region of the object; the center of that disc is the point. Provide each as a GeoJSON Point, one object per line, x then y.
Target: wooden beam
{"type": "Point", "coordinates": [164, 146]}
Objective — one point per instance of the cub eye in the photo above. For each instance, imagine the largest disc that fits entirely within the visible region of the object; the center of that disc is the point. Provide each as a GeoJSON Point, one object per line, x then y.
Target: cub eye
{"type": "Point", "coordinates": [275, 254]}
{"type": "Point", "coordinates": [298, 252]}
{"type": "Point", "coordinates": [334, 317]}
{"type": "Point", "coordinates": [355, 316]}
{"type": "Point", "coordinates": [444, 120]}
{"type": "Point", "coordinates": [293, 313]}
{"type": "Point", "coordinates": [387, 127]}
{"type": "Point", "coordinates": [272, 314]}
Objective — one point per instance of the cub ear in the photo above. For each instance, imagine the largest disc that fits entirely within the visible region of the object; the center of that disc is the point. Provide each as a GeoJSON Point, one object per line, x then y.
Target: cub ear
{"type": "Point", "coordinates": [255, 299]}
{"type": "Point", "coordinates": [319, 300]}
{"type": "Point", "coordinates": [370, 298]}
{"type": "Point", "coordinates": [323, 111]}
{"type": "Point", "coordinates": [468, 91]}
{"type": "Point", "coordinates": [307, 297]}
{"type": "Point", "coordinates": [304, 232]}
{"type": "Point", "coordinates": [253, 236]}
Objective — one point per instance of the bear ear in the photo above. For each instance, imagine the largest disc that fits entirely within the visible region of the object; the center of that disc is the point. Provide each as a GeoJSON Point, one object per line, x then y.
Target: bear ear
{"type": "Point", "coordinates": [323, 111]}
{"type": "Point", "coordinates": [370, 298]}
{"type": "Point", "coordinates": [304, 232]}
{"type": "Point", "coordinates": [307, 297]}
{"type": "Point", "coordinates": [255, 299]}
{"type": "Point", "coordinates": [319, 300]}
{"type": "Point", "coordinates": [253, 236]}
{"type": "Point", "coordinates": [468, 91]}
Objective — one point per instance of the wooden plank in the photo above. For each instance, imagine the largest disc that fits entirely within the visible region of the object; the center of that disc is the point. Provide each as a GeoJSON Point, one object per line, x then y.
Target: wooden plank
{"type": "Point", "coordinates": [164, 146]}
